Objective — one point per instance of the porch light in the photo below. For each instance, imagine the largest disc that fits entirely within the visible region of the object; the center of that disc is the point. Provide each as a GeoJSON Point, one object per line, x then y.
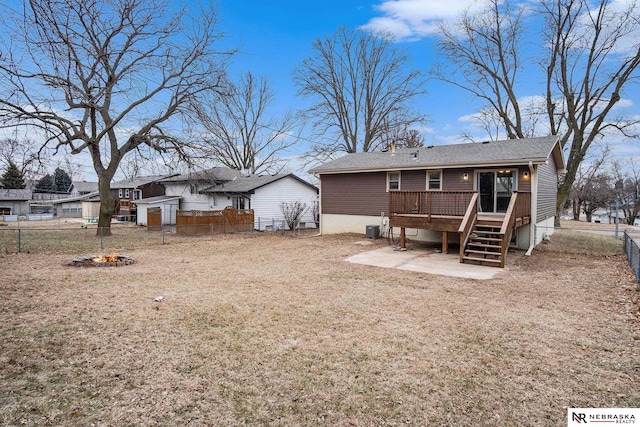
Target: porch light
{"type": "Point", "coordinates": [465, 176]}
{"type": "Point", "coordinates": [525, 174]}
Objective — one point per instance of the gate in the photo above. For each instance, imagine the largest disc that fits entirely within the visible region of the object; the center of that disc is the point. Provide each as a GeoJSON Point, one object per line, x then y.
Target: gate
{"type": "Point", "coordinates": [154, 217]}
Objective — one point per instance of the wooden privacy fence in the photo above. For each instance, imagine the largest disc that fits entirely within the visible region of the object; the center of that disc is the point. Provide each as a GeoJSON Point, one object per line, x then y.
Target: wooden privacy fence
{"type": "Point", "coordinates": [227, 220]}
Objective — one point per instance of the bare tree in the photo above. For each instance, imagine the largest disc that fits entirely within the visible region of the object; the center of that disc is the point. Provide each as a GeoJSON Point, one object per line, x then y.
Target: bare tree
{"type": "Point", "coordinates": [361, 91]}
{"type": "Point", "coordinates": [22, 154]}
{"type": "Point", "coordinates": [627, 189]}
{"type": "Point", "coordinates": [107, 77]}
{"type": "Point", "coordinates": [293, 213]}
{"type": "Point", "coordinates": [402, 137]}
{"type": "Point", "coordinates": [239, 132]}
{"type": "Point", "coordinates": [315, 212]}
{"type": "Point", "coordinates": [597, 193]}
{"type": "Point", "coordinates": [587, 171]}
{"type": "Point", "coordinates": [592, 56]}
{"type": "Point", "coordinates": [482, 54]}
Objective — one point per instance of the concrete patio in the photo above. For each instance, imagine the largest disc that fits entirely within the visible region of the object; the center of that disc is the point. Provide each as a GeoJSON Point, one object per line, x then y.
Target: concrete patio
{"type": "Point", "coordinates": [424, 260]}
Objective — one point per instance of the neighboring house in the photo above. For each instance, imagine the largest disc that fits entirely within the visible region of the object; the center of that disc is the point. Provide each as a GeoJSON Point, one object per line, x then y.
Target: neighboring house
{"type": "Point", "coordinates": [14, 202]}
{"type": "Point", "coordinates": [604, 216]}
{"type": "Point", "coordinates": [189, 188]}
{"type": "Point", "coordinates": [608, 216]}
{"type": "Point", "coordinates": [265, 195]}
{"type": "Point", "coordinates": [219, 187]}
{"type": "Point", "coordinates": [72, 207]}
{"type": "Point", "coordinates": [42, 201]}
{"type": "Point", "coordinates": [81, 188]}
{"type": "Point", "coordinates": [131, 189]}
{"type": "Point", "coordinates": [479, 194]}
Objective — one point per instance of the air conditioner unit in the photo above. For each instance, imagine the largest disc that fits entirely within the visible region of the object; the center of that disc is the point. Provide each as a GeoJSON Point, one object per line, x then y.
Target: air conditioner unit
{"type": "Point", "coordinates": [373, 231]}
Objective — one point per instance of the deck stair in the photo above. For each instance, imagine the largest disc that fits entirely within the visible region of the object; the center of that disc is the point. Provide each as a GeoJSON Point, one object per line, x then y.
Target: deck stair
{"type": "Point", "coordinates": [484, 246]}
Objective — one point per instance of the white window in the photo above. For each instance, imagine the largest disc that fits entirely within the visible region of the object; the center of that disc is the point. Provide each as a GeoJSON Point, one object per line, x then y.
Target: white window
{"type": "Point", "coordinates": [137, 194]}
{"type": "Point", "coordinates": [120, 193]}
{"type": "Point", "coordinates": [393, 181]}
{"type": "Point", "coordinates": [126, 193]}
{"type": "Point", "coordinates": [434, 180]}
{"type": "Point", "coordinates": [193, 188]}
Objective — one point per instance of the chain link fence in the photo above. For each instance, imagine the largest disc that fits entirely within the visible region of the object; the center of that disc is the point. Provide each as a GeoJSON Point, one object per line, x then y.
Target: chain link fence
{"type": "Point", "coordinates": [632, 249]}
{"type": "Point", "coordinates": [78, 237]}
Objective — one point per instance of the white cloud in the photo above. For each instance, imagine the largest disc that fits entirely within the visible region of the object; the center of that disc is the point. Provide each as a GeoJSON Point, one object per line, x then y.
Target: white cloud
{"type": "Point", "coordinates": [624, 103]}
{"type": "Point", "coordinates": [396, 27]}
{"type": "Point", "coordinates": [414, 19]}
{"type": "Point", "coordinates": [410, 20]}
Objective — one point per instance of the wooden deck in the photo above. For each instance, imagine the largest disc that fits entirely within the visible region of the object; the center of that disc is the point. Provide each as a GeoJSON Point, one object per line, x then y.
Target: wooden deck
{"type": "Point", "coordinates": [457, 212]}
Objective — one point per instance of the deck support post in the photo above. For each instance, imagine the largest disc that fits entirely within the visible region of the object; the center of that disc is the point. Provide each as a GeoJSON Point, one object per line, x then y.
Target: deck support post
{"type": "Point", "coordinates": [445, 242]}
{"type": "Point", "coordinates": [403, 239]}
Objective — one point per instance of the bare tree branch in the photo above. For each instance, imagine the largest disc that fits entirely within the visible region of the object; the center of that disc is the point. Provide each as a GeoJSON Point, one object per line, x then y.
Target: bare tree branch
{"type": "Point", "coordinates": [592, 56]}
{"type": "Point", "coordinates": [107, 77]}
{"type": "Point", "coordinates": [239, 133]}
{"type": "Point", "coordinates": [360, 90]}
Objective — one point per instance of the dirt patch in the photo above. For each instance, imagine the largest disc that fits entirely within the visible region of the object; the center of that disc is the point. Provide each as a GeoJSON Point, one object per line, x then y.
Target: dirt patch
{"type": "Point", "coordinates": [271, 329]}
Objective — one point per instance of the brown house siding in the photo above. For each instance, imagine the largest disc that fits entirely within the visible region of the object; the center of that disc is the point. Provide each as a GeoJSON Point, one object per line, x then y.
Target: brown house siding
{"type": "Point", "coordinates": [413, 180]}
{"type": "Point", "coordinates": [365, 193]}
{"type": "Point", "coordinates": [524, 184]}
{"type": "Point", "coordinates": [354, 194]}
{"type": "Point", "coordinates": [152, 189]}
{"type": "Point", "coordinates": [547, 190]}
{"type": "Point", "coordinates": [452, 180]}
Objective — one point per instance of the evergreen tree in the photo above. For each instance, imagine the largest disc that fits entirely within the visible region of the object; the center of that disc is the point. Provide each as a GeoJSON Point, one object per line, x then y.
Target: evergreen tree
{"type": "Point", "coordinates": [45, 184]}
{"type": "Point", "coordinates": [12, 177]}
{"type": "Point", "coordinates": [61, 181]}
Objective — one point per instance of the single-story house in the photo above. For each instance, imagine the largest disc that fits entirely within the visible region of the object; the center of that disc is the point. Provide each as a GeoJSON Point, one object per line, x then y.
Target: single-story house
{"type": "Point", "coordinates": [219, 187]}
{"type": "Point", "coordinates": [14, 202]}
{"type": "Point", "coordinates": [265, 194]}
{"type": "Point", "coordinates": [72, 207]}
{"type": "Point", "coordinates": [480, 195]}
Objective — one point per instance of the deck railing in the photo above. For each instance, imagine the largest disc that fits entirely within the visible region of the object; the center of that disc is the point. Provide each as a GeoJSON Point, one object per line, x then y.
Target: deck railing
{"type": "Point", "coordinates": [519, 208]}
{"type": "Point", "coordinates": [523, 206]}
{"type": "Point", "coordinates": [468, 223]}
{"type": "Point", "coordinates": [444, 203]}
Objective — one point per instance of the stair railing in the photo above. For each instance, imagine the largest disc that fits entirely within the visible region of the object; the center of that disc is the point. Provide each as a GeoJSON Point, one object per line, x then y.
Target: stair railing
{"type": "Point", "coordinates": [468, 223]}
{"type": "Point", "coordinates": [506, 230]}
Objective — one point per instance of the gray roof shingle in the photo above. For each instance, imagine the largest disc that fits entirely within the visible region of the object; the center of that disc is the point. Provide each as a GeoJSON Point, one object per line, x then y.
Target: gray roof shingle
{"type": "Point", "coordinates": [85, 186]}
{"type": "Point", "coordinates": [136, 181]}
{"type": "Point", "coordinates": [211, 175]}
{"type": "Point", "coordinates": [15, 194]}
{"type": "Point", "coordinates": [512, 151]}
{"type": "Point", "coordinates": [247, 184]}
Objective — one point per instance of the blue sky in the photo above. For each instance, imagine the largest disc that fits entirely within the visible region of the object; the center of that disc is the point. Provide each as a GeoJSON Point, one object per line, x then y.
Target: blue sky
{"type": "Point", "coordinates": [274, 37]}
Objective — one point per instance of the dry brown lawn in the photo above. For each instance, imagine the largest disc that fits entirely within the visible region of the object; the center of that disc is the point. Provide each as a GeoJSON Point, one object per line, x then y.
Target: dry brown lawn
{"type": "Point", "coordinates": [276, 330]}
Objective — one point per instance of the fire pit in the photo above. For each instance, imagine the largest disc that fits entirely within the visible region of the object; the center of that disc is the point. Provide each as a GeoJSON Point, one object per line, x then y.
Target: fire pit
{"type": "Point", "coordinates": [102, 261]}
